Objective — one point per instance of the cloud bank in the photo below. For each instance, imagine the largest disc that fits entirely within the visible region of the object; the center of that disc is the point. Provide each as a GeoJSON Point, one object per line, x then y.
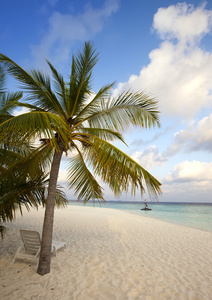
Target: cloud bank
{"type": "Point", "coordinates": [189, 181]}
{"type": "Point", "coordinates": [187, 171]}
{"type": "Point", "coordinates": [179, 73]}
{"type": "Point", "coordinates": [194, 138]}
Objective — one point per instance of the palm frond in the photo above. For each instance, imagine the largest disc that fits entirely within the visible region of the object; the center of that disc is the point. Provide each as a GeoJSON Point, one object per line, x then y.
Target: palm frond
{"type": "Point", "coordinates": [18, 151]}
{"type": "Point", "coordinates": [6, 97]}
{"type": "Point", "coordinates": [80, 79]}
{"type": "Point", "coordinates": [29, 194]}
{"type": "Point", "coordinates": [129, 108]}
{"type": "Point", "coordinates": [13, 96]}
{"type": "Point", "coordinates": [8, 157]}
{"type": "Point", "coordinates": [36, 83]}
{"type": "Point", "coordinates": [9, 98]}
{"type": "Point", "coordinates": [8, 101]}
{"type": "Point", "coordinates": [81, 179]}
{"type": "Point", "coordinates": [27, 81]}
{"type": "Point", "coordinates": [60, 88]}
{"type": "Point", "coordinates": [95, 104]}
{"type": "Point", "coordinates": [105, 134]}
{"type": "Point", "coordinates": [45, 97]}
{"type": "Point", "coordinates": [119, 170]}
{"type": "Point", "coordinates": [23, 180]}
{"type": "Point", "coordinates": [2, 80]}
{"type": "Point", "coordinates": [4, 117]}
{"type": "Point", "coordinates": [17, 193]}
{"type": "Point", "coordinates": [60, 197]}
{"type": "Point", "coordinates": [10, 105]}
{"type": "Point", "coordinates": [31, 125]}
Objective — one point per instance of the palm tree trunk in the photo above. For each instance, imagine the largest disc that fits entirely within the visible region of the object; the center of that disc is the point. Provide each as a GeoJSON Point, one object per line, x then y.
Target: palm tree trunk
{"type": "Point", "coordinates": [46, 244]}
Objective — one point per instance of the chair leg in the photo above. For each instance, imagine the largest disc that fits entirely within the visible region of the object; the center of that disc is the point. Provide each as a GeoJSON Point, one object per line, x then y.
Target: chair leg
{"type": "Point", "coordinates": [37, 258]}
{"type": "Point", "coordinates": [16, 254]}
{"type": "Point", "coordinates": [54, 251]}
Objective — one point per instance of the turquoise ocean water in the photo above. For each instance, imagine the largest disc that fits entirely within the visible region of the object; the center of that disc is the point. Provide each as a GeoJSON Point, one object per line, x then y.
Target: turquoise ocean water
{"type": "Point", "coordinates": [190, 214]}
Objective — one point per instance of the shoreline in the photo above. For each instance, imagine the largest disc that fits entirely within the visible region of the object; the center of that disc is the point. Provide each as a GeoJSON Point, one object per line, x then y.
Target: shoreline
{"type": "Point", "coordinates": [111, 254]}
{"type": "Point", "coordinates": [154, 214]}
{"type": "Point", "coordinates": [151, 202]}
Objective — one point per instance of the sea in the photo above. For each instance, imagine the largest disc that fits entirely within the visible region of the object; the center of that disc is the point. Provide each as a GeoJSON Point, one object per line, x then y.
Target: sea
{"type": "Point", "coordinates": [196, 215]}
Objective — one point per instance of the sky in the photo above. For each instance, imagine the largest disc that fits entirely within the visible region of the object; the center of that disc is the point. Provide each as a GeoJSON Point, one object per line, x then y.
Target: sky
{"type": "Point", "coordinates": [161, 47]}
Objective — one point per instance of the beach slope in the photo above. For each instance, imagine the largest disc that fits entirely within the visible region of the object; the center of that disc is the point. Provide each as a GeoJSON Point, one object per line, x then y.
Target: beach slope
{"type": "Point", "coordinates": [111, 255]}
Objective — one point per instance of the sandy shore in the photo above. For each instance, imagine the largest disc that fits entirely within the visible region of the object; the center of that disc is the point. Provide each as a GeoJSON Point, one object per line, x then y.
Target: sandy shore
{"type": "Point", "coordinates": [111, 255]}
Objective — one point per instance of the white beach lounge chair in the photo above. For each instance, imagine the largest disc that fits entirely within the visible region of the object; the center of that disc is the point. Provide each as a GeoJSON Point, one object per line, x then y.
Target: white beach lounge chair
{"type": "Point", "coordinates": [30, 248]}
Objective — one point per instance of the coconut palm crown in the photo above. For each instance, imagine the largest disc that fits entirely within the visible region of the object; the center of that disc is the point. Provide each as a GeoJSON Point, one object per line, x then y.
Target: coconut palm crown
{"type": "Point", "coordinates": [68, 117]}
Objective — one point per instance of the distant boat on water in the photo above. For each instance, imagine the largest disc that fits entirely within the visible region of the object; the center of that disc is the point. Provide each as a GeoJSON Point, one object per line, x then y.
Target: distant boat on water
{"type": "Point", "coordinates": [146, 206]}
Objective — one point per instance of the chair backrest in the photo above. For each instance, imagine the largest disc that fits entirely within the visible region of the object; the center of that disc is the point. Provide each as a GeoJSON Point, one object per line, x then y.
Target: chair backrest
{"type": "Point", "coordinates": [31, 240]}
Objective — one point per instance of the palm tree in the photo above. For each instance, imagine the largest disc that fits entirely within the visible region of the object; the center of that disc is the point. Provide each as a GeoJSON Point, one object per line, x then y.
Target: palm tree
{"type": "Point", "coordinates": [23, 178]}
{"type": "Point", "coordinates": [70, 118]}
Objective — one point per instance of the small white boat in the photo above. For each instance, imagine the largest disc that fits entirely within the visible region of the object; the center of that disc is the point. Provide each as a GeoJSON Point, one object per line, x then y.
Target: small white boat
{"type": "Point", "coordinates": [146, 206]}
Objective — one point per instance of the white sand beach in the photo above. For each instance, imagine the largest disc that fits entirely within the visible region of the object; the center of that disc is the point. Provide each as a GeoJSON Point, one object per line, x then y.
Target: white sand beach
{"type": "Point", "coordinates": [110, 255]}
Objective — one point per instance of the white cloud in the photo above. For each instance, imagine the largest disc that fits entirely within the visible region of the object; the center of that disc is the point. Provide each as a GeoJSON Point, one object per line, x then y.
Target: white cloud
{"type": "Point", "coordinates": [20, 111]}
{"type": "Point", "coordinates": [179, 74]}
{"type": "Point", "coordinates": [194, 171]}
{"type": "Point", "coordinates": [149, 158]}
{"type": "Point", "coordinates": [203, 134]}
{"type": "Point", "coordinates": [190, 181]}
{"type": "Point", "coordinates": [65, 29]}
{"type": "Point", "coordinates": [182, 22]}
{"type": "Point", "coordinates": [193, 138]}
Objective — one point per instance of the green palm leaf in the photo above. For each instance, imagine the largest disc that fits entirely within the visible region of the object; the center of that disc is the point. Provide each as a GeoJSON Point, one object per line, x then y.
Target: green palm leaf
{"type": "Point", "coordinates": [9, 98]}
{"type": "Point", "coordinates": [119, 170]}
{"type": "Point", "coordinates": [23, 181]}
{"type": "Point", "coordinates": [129, 108]}
{"type": "Point", "coordinates": [36, 83]}
{"type": "Point", "coordinates": [2, 80]}
{"type": "Point", "coordinates": [83, 182]}
{"type": "Point", "coordinates": [91, 108]}
{"type": "Point", "coordinates": [60, 88]}
{"type": "Point", "coordinates": [105, 134]}
{"type": "Point", "coordinates": [38, 123]}
{"type": "Point", "coordinates": [80, 79]}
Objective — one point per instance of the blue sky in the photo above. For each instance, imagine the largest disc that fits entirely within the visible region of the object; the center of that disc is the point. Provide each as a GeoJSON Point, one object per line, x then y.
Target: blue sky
{"type": "Point", "coordinates": [163, 47]}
